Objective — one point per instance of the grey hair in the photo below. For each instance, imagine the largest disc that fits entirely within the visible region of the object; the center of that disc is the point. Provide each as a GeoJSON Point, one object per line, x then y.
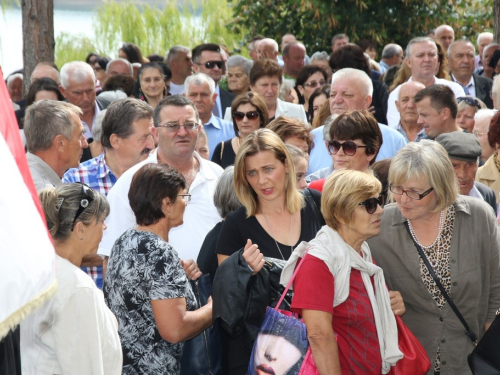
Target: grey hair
{"type": "Point", "coordinates": [339, 36]}
{"type": "Point", "coordinates": [97, 127]}
{"type": "Point", "coordinates": [288, 84]}
{"type": "Point", "coordinates": [390, 50]}
{"type": "Point", "coordinates": [199, 79]}
{"type": "Point", "coordinates": [240, 61]}
{"type": "Point", "coordinates": [126, 62]}
{"type": "Point", "coordinates": [12, 77]}
{"type": "Point", "coordinates": [459, 41]}
{"type": "Point", "coordinates": [485, 113]}
{"type": "Point", "coordinates": [356, 74]}
{"type": "Point", "coordinates": [173, 52]}
{"type": "Point", "coordinates": [486, 33]}
{"type": "Point", "coordinates": [225, 198]}
{"type": "Point", "coordinates": [420, 39]}
{"type": "Point", "coordinates": [296, 153]}
{"type": "Point", "coordinates": [46, 119]}
{"type": "Point", "coordinates": [78, 71]}
{"type": "Point", "coordinates": [427, 161]}
{"type": "Point", "coordinates": [326, 127]}
{"type": "Point", "coordinates": [320, 55]}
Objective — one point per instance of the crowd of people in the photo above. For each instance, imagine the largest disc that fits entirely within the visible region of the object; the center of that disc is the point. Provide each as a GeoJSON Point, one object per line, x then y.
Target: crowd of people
{"type": "Point", "coordinates": [156, 172]}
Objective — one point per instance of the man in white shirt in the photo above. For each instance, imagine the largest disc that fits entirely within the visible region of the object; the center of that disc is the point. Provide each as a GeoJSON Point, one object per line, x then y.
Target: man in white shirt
{"type": "Point", "coordinates": [422, 59]}
{"type": "Point", "coordinates": [176, 122]}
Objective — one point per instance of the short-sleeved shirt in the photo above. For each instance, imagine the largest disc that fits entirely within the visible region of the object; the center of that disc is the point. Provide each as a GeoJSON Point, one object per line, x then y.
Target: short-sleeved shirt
{"type": "Point", "coordinates": [353, 320]}
{"type": "Point", "coordinates": [237, 228]}
{"type": "Point", "coordinates": [143, 268]}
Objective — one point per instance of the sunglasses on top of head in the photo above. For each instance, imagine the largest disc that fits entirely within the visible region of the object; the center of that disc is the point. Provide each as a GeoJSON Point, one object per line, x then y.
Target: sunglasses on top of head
{"type": "Point", "coordinates": [473, 102]}
{"type": "Point", "coordinates": [349, 147]}
{"type": "Point", "coordinates": [371, 204]}
{"type": "Point", "coordinates": [252, 115]}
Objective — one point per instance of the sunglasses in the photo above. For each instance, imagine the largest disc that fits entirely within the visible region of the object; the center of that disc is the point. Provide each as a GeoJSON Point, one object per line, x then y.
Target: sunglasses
{"type": "Point", "coordinates": [473, 102]}
{"type": "Point", "coordinates": [87, 198]}
{"type": "Point", "coordinates": [212, 64]}
{"type": "Point", "coordinates": [371, 204]}
{"type": "Point", "coordinates": [349, 147]}
{"type": "Point", "coordinates": [185, 197]}
{"type": "Point", "coordinates": [252, 115]}
{"type": "Point", "coordinates": [314, 84]}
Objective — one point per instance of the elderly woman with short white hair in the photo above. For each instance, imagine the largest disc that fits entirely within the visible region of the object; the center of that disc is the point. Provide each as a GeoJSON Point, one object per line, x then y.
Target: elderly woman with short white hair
{"type": "Point", "coordinates": [238, 71]}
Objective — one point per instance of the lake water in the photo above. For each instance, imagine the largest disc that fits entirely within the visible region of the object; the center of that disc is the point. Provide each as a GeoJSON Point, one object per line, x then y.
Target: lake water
{"type": "Point", "coordinates": [11, 33]}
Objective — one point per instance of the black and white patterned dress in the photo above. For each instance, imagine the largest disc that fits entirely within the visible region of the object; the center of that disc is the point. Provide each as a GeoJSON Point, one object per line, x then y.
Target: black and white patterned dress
{"type": "Point", "coordinates": [143, 267]}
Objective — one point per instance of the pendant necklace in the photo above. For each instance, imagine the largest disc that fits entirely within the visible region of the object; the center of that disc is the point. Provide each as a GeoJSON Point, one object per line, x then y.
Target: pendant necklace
{"type": "Point", "coordinates": [276, 242]}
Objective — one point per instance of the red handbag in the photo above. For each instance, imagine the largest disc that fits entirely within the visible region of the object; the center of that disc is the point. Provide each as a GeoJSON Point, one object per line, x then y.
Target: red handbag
{"type": "Point", "coordinates": [415, 360]}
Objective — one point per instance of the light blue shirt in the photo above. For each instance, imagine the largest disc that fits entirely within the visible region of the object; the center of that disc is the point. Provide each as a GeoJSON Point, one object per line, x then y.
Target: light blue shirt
{"type": "Point", "coordinates": [319, 157]}
{"type": "Point", "coordinates": [218, 130]}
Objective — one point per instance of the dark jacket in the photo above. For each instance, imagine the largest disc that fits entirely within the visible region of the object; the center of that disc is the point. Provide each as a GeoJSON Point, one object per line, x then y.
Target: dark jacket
{"type": "Point", "coordinates": [226, 98]}
{"type": "Point", "coordinates": [488, 195]}
{"type": "Point", "coordinates": [483, 87]}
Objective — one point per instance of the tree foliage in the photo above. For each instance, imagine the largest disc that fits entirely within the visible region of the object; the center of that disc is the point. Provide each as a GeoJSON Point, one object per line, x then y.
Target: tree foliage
{"type": "Point", "coordinates": [383, 21]}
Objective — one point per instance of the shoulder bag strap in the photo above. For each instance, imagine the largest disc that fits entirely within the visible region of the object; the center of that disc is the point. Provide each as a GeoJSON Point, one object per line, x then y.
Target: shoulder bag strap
{"type": "Point", "coordinates": [291, 281]}
{"type": "Point", "coordinates": [468, 332]}
{"type": "Point", "coordinates": [310, 201]}
{"type": "Point", "coordinates": [221, 150]}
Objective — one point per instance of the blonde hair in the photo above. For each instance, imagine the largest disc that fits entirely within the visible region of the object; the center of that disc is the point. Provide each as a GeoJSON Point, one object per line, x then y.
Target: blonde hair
{"type": "Point", "coordinates": [342, 193]}
{"type": "Point", "coordinates": [258, 141]}
{"type": "Point", "coordinates": [426, 160]}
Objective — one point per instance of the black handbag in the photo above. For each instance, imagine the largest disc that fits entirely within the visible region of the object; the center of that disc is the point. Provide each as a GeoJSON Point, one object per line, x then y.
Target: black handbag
{"type": "Point", "coordinates": [202, 353]}
{"type": "Point", "coordinates": [485, 358]}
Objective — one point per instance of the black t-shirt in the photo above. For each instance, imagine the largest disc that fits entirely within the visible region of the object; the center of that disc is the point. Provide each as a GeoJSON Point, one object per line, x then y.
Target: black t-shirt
{"type": "Point", "coordinates": [237, 229]}
{"type": "Point", "coordinates": [228, 154]}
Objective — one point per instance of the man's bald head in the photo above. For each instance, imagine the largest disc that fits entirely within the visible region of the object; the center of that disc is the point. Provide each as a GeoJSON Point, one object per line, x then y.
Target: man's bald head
{"type": "Point", "coordinates": [268, 49]}
{"type": "Point", "coordinates": [45, 70]}
{"type": "Point", "coordinates": [445, 35]}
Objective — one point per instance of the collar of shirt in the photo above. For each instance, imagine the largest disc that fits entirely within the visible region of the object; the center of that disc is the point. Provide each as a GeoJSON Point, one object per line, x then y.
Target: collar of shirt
{"type": "Point", "coordinates": [421, 134]}
{"type": "Point", "coordinates": [469, 84]}
{"type": "Point", "coordinates": [214, 121]}
{"type": "Point", "coordinates": [88, 133]}
{"type": "Point", "coordinates": [474, 192]}
{"type": "Point", "coordinates": [102, 166]}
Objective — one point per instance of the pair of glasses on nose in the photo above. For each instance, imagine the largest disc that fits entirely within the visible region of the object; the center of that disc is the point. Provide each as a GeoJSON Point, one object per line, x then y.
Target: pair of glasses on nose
{"type": "Point", "coordinates": [410, 193]}
{"type": "Point", "coordinates": [185, 197]}
{"type": "Point", "coordinates": [349, 147]}
{"type": "Point", "coordinates": [252, 115]}
{"type": "Point", "coordinates": [314, 84]}
{"type": "Point", "coordinates": [371, 204]}
{"type": "Point", "coordinates": [212, 64]}
{"type": "Point", "coordinates": [87, 196]}
{"type": "Point", "coordinates": [174, 127]}
{"type": "Point", "coordinates": [473, 102]}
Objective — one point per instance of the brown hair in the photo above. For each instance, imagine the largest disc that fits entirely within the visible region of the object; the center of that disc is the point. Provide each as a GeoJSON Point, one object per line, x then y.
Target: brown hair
{"type": "Point", "coordinates": [265, 68]}
{"type": "Point", "coordinates": [255, 100]}
{"type": "Point", "coordinates": [291, 127]}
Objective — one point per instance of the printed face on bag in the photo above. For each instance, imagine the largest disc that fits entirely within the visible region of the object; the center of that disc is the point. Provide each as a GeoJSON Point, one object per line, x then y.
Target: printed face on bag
{"type": "Point", "coordinates": [274, 355]}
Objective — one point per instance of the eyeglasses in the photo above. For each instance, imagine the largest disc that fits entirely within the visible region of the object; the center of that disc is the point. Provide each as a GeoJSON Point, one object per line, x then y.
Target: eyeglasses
{"type": "Point", "coordinates": [371, 204]}
{"type": "Point", "coordinates": [477, 134]}
{"type": "Point", "coordinates": [174, 127]}
{"type": "Point", "coordinates": [212, 64]}
{"type": "Point", "coordinates": [185, 197]}
{"type": "Point", "coordinates": [87, 198]}
{"type": "Point", "coordinates": [314, 84]}
{"type": "Point", "coordinates": [470, 101]}
{"type": "Point", "coordinates": [410, 193]}
{"type": "Point", "coordinates": [252, 115]}
{"type": "Point", "coordinates": [349, 147]}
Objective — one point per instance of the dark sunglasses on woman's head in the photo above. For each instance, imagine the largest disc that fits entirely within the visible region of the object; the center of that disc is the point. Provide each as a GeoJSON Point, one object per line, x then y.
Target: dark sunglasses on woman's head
{"type": "Point", "coordinates": [252, 115]}
{"type": "Point", "coordinates": [371, 204]}
{"type": "Point", "coordinates": [349, 147]}
{"type": "Point", "coordinates": [87, 197]}
{"type": "Point", "coordinates": [470, 101]}
{"type": "Point", "coordinates": [212, 64]}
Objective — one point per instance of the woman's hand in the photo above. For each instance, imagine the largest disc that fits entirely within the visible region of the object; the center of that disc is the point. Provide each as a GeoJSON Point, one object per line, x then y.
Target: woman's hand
{"type": "Point", "coordinates": [253, 257]}
{"type": "Point", "coordinates": [397, 303]}
{"type": "Point", "coordinates": [191, 269]}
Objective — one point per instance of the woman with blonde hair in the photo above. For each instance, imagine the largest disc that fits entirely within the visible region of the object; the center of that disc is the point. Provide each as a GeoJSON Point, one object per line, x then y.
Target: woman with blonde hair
{"type": "Point", "coordinates": [274, 219]}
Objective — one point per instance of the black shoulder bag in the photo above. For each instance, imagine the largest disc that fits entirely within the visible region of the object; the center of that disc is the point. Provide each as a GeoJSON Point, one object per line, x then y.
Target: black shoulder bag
{"type": "Point", "coordinates": [485, 358]}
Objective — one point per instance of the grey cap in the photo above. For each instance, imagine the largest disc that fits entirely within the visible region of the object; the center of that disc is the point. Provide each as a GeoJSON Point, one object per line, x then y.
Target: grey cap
{"type": "Point", "coordinates": [460, 145]}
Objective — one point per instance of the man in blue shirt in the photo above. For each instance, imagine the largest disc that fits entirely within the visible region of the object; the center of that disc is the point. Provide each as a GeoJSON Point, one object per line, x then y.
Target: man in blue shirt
{"type": "Point", "coordinates": [200, 89]}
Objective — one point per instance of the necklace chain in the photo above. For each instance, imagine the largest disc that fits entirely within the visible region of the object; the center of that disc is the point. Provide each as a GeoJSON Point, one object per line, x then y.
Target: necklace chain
{"type": "Point", "coordinates": [438, 238]}
{"type": "Point", "coordinates": [273, 237]}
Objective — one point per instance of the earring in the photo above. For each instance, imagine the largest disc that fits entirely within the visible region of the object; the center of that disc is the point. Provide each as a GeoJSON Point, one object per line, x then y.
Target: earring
{"type": "Point", "coordinates": [81, 238]}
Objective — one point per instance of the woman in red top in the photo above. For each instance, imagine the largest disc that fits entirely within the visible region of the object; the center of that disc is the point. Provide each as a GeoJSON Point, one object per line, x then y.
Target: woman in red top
{"type": "Point", "coordinates": [340, 293]}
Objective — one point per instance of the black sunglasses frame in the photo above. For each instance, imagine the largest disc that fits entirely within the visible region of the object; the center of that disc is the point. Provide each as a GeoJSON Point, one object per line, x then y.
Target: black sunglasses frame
{"type": "Point", "coordinates": [212, 64]}
{"type": "Point", "coordinates": [334, 144]}
{"type": "Point", "coordinates": [87, 198]}
{"type": "Point", "coordinates": [251, 115]}
{"type": "Point", "coordinates": [473, 102]}
{"type": "Point", "coordinates": [403, 191]}
{"type": "Point", "coordinates": [371, 204]}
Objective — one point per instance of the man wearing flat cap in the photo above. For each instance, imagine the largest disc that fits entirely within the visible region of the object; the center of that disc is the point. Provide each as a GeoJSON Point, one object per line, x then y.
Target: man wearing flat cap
{"type": "Point", "coordinates": [464, 150]}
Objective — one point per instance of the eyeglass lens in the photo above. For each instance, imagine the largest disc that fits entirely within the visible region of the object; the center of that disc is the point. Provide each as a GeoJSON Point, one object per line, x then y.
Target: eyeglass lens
{"type": "Point", "coordinates": [252, 115]}
{"type": "Point", "coordinates": [349, 147]}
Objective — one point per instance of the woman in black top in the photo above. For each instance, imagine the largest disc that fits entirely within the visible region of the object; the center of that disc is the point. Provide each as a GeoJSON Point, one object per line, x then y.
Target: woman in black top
{"type": "Point", "coordinates": [249, 113]}
{"type": "Point", "coordinates": [275, 218]}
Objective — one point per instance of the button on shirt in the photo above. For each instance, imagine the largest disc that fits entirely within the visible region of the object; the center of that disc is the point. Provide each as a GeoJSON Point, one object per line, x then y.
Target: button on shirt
{"type": "Point", "coordinates": [218, 130]}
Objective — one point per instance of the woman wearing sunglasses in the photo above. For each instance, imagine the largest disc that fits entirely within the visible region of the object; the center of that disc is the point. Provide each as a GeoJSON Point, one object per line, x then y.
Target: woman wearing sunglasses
{"type": "Point", "coordinates": [146, 283]}
{"type": "Point", "coordinates": [74, 332]}
{"type": "Point", "coordinates": [467, 108]}
{"type": "Point", "coordinates": [249, 113]}
{"type": "Point", "coordinates": [459, 237]}
{"type": "Point", "coordinates": [355, 140]}
{"type": "Point", "coordinates": [339, 291]}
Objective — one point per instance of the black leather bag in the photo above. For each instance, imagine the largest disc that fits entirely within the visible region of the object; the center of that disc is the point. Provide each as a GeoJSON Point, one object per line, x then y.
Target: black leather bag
{"type": "Point", "coordinates": [202, 354]}
{"type": "Point", "coordinates": [485, 358]}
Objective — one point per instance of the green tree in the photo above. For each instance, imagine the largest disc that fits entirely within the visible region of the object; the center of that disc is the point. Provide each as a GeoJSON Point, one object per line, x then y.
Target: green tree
{"type": "Point", "coordinates": [316, 21]}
